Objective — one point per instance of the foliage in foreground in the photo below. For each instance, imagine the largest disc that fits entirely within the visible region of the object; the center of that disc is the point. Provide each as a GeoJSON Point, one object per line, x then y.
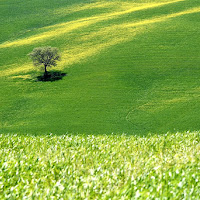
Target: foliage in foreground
{"type": "Point", "coordinates": [100, 167]}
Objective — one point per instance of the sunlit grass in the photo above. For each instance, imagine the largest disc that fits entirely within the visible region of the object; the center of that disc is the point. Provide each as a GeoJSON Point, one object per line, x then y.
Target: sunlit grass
{"type": "Point", "coordinates": [105, 37]}
{"type": "Point", "coordinates": [100, 167]}
{"type": "Point", "coordinates": [131, 67]}
{"type": "Point", "coordinates": [15, 69]}
{"type": "Point", "coordinates": [65, 28]}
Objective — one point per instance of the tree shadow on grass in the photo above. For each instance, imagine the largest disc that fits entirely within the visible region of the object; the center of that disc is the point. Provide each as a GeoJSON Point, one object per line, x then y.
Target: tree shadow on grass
{"type": "Point", "coordinates": [51, 76]}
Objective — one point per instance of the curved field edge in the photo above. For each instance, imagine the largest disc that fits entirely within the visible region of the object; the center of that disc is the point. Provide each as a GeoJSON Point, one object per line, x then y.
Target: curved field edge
{"type": "Point", "coordinates": [100, 167]}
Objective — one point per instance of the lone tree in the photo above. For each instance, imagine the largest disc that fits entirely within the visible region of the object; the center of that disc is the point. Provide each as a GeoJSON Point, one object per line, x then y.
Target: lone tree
{"type": "Point", "coordinates": [46, 56]}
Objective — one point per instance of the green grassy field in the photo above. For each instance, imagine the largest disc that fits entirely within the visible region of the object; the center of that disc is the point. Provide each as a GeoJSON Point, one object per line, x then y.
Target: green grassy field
{"type": "Point", "coordinates": [100, 167]}
{"type": "Point", "coordinates": [132, 66]}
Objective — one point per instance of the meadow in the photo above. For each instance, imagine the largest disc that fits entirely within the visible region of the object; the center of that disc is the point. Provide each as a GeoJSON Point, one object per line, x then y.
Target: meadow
{"type": "Point", "coordinates": [132, 66]}
{"type": "Point", "coordinates": [124, 121]}
{"type": "Point", "coordinates": [100, 167]}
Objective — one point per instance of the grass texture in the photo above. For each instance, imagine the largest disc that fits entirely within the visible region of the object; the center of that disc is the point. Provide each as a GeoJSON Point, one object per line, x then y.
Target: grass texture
{"type": "Point", "coordinates": [100, 167]}
{"type": "Point", "coordinates": [132, 66]}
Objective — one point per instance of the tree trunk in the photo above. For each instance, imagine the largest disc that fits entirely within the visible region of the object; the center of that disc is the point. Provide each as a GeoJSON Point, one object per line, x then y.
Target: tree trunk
{"type": "Point", "coordinates": [45, 71]}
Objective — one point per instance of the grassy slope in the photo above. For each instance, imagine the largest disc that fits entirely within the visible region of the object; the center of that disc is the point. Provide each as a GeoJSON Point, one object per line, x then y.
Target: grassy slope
{"type": "Point", "coordinates": [133, 68]}
{"type": "Point", "coordinates": [100, 167]}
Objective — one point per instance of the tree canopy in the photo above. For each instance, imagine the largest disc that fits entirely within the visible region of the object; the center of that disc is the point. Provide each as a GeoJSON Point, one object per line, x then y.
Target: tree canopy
{"type": "Point", "coordinates": [47, 56]}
